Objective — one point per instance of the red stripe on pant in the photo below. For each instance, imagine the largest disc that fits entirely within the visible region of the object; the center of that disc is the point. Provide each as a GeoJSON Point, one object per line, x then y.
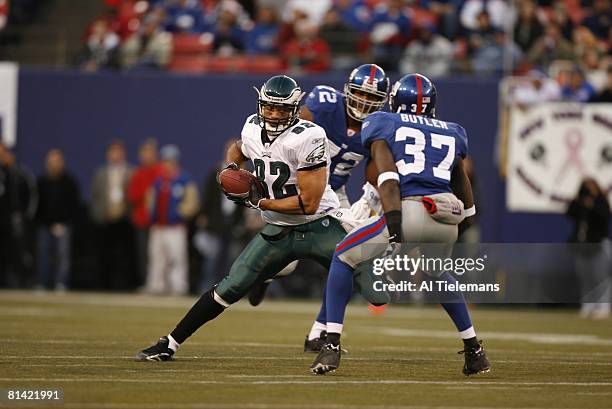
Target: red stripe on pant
{"type": "Point", "coordinates": [361, 235]}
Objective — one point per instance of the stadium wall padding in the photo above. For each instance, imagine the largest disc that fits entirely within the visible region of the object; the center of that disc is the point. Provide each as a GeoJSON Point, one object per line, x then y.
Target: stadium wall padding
{"type": "Point", "coordinates": [81, 112]}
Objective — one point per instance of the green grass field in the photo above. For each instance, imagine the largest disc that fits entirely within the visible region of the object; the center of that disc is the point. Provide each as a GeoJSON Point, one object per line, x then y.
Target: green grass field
{"type": "Point", "coordinates": [252, 357]}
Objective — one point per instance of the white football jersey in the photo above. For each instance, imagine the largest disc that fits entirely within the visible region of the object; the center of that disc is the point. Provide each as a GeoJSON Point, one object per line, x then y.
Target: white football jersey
{"type": "Point", "coordinates": [303, 146]}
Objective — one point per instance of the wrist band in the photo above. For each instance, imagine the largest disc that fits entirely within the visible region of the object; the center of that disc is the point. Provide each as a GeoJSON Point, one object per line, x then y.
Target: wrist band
{"type": "Point", "coordinates": [383, 177]}
{"type": "Point", "coordinates": [471, 211]}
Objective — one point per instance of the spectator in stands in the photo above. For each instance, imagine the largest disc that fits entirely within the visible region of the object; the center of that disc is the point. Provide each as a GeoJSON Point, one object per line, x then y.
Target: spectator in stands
{"type": "Point", "coordinates": [307, 52]}
{"type": "Point", "coordinates": [550, 47]}
{"type": "Point", "coordinates": [578, 89]}
{"type": "Point", "coordinates": [184, 16]}
{"type": "Point", "coordinates": [342, 41]}
{"type": "Point", "coordinates": [498, 11]}
{"type": "Point", "coordinates": [537, 88]}
{"type": "Point", "coordinates": [174, 201]}
{"type": "Point", "coordinates": [587, 48]}
{"type": "Point", "coordinates": [57, 205]}
{"type": "Point", "coordinates": [430, 53]}
{"type": "Point", "coordinates": [389, 30]}
{"type": "Point", "coordinates": [447, 12]}
{"type": "Point", "coordinates": [600, 21]}
{"type": "Point", "coordinates": [527, 28]}
{"type": "Point", "coordinates": [486, 45]}
{"type": "Point", "coordinates": [221, 225]}
{"type": "Point", "coordinates": [101, 49]}
{"type": "Point", "coordinates": [142, 180]}
{"type": "Point", "coordinates": [286, 31]}
{"type": "Point", "coordinates": [561, 17]}
{"type": "Point", "coordinates": [229, 34]}
{"type": "Point", "coordinates": [149, 48]}
{"type": "Point", "coordinates": [353, 13]}
{"type": "Point", "coordinates": [250, 6]}
{"type": "Point", "coordinates": [590, 211]}
{"type": "Point", "coordinates": [214, 8]}
{"type": "Point", "coordinates": [261, 39]}
{"type": "Point", "coordinates": [110, 211]}
{"type": "Point", "coordinates": [314, 10]}
{"type": "Point", "coordinates": [606, 94]}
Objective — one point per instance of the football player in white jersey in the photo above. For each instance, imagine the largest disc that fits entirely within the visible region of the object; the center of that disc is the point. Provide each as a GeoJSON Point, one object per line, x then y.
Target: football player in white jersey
{"type": "Point", "coordinates": [291, 160]}
{"type": "Point", "coordinates": [341, 115]}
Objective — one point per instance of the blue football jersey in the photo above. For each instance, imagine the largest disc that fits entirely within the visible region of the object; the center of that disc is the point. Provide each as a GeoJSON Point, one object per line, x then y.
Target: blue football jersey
{"type": "Point", "coordinates": [425, 149]}
{"type": "Point", "coordinates": [328, 110]}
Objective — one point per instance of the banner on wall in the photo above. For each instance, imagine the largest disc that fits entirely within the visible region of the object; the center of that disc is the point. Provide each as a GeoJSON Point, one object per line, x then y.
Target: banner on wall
{"type": "Point", "coordinates": [551, 149]}
{"type": "Point", "coordinates": [8, 103]}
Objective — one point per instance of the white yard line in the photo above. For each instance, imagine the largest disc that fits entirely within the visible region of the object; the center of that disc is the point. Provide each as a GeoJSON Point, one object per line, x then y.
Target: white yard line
{"type": "Point", "coordinates": [314, 381]}
{"type": "Point", "coordinates": [552, 339]}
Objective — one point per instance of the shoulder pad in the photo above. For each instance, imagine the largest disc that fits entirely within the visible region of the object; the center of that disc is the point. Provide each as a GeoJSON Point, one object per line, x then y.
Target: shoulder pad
{"type": "Point", "coordinates": [323, 98]}
{"type": "Point", "coordinates": [302, 126]}
{"type": "Point", "coordinates": [253, 119]}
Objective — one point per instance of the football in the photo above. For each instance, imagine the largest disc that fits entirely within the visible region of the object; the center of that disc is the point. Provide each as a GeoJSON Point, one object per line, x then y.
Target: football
{"type": "Point", "coordinates": [236, 181]}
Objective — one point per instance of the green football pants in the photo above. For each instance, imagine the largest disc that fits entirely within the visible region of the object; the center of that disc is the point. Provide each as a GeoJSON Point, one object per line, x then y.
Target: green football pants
{"type": "Point", "coordinates": [275, 247]}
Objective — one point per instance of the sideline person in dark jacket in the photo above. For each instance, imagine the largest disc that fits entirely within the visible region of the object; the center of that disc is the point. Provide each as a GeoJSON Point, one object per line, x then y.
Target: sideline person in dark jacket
{"type": "Point", "coordinates": [57, 205]}
{"type": "Point", "coordinates": [590, 211]}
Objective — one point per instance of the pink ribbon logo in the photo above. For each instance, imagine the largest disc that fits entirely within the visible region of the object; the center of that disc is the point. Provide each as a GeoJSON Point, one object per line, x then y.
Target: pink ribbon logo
{"type": "Point", "coordinates": [573, 142]}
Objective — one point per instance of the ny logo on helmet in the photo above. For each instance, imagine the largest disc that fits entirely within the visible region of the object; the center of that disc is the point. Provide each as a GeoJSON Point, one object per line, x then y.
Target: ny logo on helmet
{"type": "Point", "coordinates": [370, 84]}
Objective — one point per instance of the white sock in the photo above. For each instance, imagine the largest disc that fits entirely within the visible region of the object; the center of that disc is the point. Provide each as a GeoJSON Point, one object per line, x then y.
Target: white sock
{"type": "Point", "coordinates": [334, 328]}
{"type": "Point", "coordinates": [172, 344]}
{"type": "Point", "coordinates": [467, 333]}
{"type": "Point", "coordinates": [315, 331]}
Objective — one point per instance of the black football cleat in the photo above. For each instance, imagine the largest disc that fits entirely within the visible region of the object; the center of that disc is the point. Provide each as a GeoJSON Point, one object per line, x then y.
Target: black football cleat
{"type": "Point", "coordinates": [157, 352]}
{"type": "Point", "coordinates": [328, 360]}
{"type": "Point", "coordinates": [476, 361]}
{"type": "Point", "coordinates": [315, 345]}
{"type": "Point", "coordinates": [258, 293]}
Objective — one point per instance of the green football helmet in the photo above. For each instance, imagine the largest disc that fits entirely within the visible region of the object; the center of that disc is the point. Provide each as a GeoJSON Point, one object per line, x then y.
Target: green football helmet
{"type": "Point", "coordinates": [278, 104]}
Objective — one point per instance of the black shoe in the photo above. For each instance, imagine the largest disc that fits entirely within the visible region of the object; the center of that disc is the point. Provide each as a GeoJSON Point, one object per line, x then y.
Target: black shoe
{"type": "Point", "coordinates": [315, 345]}
{"type": "Point", "coordinates": [257, 293]}
{"type": "Point", "coordinates": [328, 360]}
{"type": "Point", "coordinates": [476, 361]}
{"type": "Point", "coordinates": [157, 352]}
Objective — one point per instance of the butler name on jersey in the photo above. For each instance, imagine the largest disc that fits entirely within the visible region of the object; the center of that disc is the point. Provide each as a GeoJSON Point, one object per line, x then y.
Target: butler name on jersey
{"type": "Point", "coordinates": [302, 146]}
{"type": "Point", "coordinates": [425, 149]}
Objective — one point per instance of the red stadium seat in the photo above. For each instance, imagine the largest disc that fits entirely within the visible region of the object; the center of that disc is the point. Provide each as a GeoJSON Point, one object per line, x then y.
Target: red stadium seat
{"type": "Point", "coordinates": [189, 44]}
{"type": "Point", "coordinates": [227, 64]}
{"type": "Point", "coordinates": [264, 64]}
{"type": "Point", "coordinates": [216, 64]}
{"type": "Point", "coordinates": [189, 64]}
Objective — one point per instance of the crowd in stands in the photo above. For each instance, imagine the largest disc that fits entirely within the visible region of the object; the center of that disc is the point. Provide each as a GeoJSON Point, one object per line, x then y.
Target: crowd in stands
{"type": "Point", "coordinates": [434, 37]}
{"type": "Point", "coordinates": [15, 14]}
{"type": "Point", "coordinates": [152, 227]}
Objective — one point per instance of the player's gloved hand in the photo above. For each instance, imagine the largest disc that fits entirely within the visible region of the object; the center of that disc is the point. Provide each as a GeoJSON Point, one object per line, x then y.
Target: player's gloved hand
{"type": "Point", "coordinates": [256, 195]}
{"type": "Point", "coordinates": [239, 199]}
{"type": "Point", "coordinates": [233, 166]}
